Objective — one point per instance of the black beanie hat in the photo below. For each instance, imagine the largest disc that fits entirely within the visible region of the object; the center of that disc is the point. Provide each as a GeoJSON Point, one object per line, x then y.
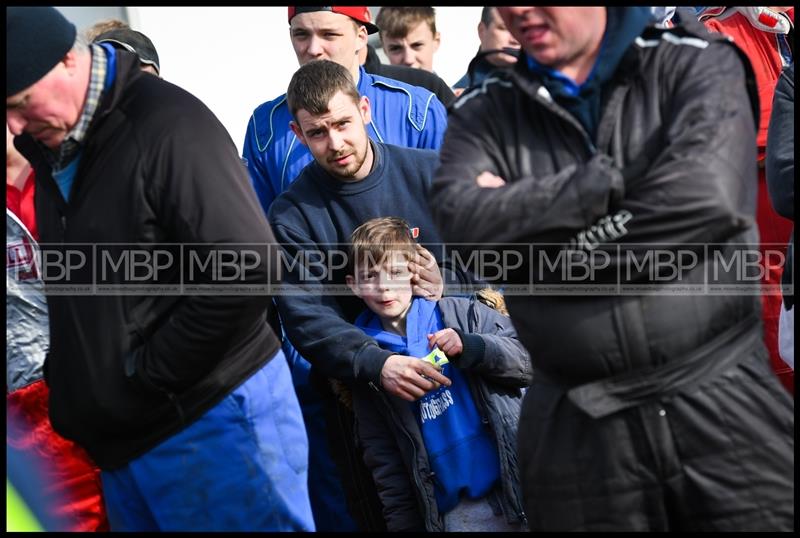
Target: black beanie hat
{"type": "Point", "coordinates": [37, 38]}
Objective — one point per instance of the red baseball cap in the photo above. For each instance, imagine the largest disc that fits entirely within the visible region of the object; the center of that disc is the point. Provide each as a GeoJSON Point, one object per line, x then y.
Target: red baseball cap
{"type": "Point", "coordinates": [358, 13]}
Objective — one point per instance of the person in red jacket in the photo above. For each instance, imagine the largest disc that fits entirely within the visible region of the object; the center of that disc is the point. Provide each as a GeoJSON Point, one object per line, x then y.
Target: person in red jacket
{"type": "Point", "coordinates": [71, 474]}
{"type": "Point", "coordinates": [763, 33]}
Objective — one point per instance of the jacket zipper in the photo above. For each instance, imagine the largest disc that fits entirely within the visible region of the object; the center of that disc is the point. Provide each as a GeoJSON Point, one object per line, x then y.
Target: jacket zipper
{"type": "Point", "coordinates": [504, 471]}
{"type": "Point", "coordinates": [473, 321]}
{"type": "Point", "coordinates": [396, 420]}
{"type": "Point", "coordinates": [173, 398]}
{"type": "Point", "coordinates": [608, 133]}
{"type": "Point", "coordinates": [476, 391]}
{"type": "Point", "coordinates": [559, 111]}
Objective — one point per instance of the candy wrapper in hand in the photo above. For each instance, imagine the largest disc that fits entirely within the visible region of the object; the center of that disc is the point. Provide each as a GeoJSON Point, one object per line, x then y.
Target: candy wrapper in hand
{"type": "Point", "coordinates": [436, 358]}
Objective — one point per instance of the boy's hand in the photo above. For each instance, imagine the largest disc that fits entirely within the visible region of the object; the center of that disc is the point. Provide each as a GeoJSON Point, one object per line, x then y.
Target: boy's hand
{"type": "Point", "coordinates": [410, 378]}
{"type": "Point", "coordinates": [426, 280]}
{"type": "Point", "coordinates": [448, 341]}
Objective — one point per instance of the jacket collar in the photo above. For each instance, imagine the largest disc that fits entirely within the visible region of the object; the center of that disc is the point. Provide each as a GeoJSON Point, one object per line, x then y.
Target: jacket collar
{"type": "Point", "coordinates": [126, 72]}
{"type": "Point", "coordinates": [622, 27]}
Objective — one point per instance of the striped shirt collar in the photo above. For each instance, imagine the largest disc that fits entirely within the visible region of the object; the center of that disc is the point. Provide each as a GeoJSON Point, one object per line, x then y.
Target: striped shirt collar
{"type": "Point", "coordinates": [72, 143]}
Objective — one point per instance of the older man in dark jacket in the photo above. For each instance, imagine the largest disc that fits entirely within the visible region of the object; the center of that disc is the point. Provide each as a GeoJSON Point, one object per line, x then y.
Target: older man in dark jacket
{"type": "Point", "coordinates": [184, 399]}
{"type": "Point", "coordinates": [648, 411]}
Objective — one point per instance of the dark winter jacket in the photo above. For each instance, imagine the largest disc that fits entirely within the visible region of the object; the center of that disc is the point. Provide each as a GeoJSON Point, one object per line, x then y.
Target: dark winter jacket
{"type": "Point", "coordinates": [496, 367]}
{"type": "Point", "coordinates": [127, 371]}
{"type": "Point", "coordinates": [652, 403]}
{"type": "Point", "coordinates": [667, 166]}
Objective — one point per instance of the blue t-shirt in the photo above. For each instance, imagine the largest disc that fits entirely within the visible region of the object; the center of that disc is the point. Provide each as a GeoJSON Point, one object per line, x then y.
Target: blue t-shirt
{"type": "Point", "coordinates": [461, 452]}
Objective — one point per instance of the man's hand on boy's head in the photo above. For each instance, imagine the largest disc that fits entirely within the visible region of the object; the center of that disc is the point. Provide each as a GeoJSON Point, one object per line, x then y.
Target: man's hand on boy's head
{"type": "Point", "coordinates": [426, 279]}
{"type": "Point", "coordinates": [448, 341]}
{"type": "Point", "coordinates": [410, 378]}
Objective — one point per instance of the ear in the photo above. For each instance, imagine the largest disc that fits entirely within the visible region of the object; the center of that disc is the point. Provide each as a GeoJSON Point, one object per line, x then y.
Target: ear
{"type": "Point", "coordinates": [437, 40]}
{"type": "Point", "coordinates": [298, 132]}
{"type": "Point", "coordinates": [351, 283]}
{"type": "Point", "coordinates": [481, 30]}
{"type": "Point", "coordinates": [70, 59]}
{"type": "Point", "coordinates": [361, 38]}
{"type": "Point", "coordinates": [365, 109]}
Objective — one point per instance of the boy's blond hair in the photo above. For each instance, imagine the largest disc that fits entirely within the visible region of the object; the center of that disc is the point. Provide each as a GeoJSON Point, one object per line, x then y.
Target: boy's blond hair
{"type": "Point", "coordinates": [396, 22]}
{"type": "Point", "coordinates": [372, 242]}
{"type": "Point", "coordinates": [104, 26]}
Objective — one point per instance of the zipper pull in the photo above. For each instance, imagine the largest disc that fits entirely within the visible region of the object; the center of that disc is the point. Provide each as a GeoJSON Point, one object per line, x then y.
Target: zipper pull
{"type": "Point", "coordinates": [371, 384]}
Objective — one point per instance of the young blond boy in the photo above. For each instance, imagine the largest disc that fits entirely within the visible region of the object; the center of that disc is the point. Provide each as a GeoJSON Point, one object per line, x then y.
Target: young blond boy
{"type": "Point", "coordinates": [445, 460]}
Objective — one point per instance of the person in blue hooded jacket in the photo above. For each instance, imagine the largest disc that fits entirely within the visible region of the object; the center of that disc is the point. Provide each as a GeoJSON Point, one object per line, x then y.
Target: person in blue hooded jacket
{"type": "Point", "coordinates": [445, 459]}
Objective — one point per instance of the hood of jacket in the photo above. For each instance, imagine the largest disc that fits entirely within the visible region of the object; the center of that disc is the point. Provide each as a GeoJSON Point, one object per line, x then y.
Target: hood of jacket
{"type": "Point", "coordinates": [623, 26]}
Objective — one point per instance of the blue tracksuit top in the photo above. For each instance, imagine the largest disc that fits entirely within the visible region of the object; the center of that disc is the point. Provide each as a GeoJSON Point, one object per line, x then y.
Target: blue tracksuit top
{"type": "Point", "coordinates": [402, 115]}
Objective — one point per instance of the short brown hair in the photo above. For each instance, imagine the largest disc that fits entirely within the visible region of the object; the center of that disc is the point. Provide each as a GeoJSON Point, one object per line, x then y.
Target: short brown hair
{"type": "Point", "coordinates": [313, 86]}
{"type": "Point", "coordinates": [375, 239]}
{"type": "Point", "coordinates": [396, 22]}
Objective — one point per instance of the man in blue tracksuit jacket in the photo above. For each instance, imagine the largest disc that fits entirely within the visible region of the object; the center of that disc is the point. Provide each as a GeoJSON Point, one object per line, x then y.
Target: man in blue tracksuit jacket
{"type": "Point", "coordinates": [402, 115]}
